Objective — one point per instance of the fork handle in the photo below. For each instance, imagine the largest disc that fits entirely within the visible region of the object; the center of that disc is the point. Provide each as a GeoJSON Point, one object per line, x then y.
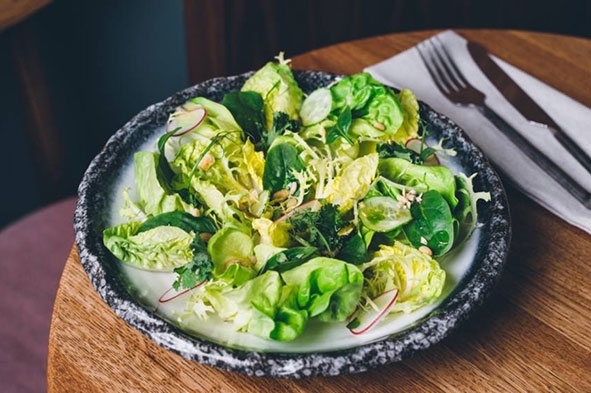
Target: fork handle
{"type": "Point", "coordinates": [556, 172]}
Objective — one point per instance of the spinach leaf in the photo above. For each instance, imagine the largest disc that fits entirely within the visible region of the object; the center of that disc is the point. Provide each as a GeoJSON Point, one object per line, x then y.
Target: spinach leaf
{"type": "Point", "coordinates": [281, 123]}
{"type": "Point", "coordinates": [432, 224]}
{"type": "Point", "coordinates": [281, 160]}
{"type": "Point", "coordinates": [354, 249]}
{"type": "Point", "coordinates": [342, 127]}
{"type": "Point", "coordinates": [290, 258]}
{"type": "Point", "coordinates": [247, 107]}
{"type": "Point", "coordinates": [183, 220]}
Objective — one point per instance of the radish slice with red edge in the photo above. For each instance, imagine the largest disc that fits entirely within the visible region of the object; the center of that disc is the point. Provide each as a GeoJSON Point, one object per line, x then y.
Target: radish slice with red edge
{"type": "Point", "coordinates": [416, 144]}
{"type": "Point", "coordinates": [164, 299]}
{"type": "Point", "coordinates": [367, 319]}
{"type": "Point", "coordinates": [190, 106]}
{"type": "Point", "coordinates": [184, 121]}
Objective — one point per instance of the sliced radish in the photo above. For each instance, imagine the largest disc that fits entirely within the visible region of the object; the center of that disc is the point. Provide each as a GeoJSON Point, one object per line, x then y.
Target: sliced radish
{"type": "Point", "coordinates": [416, 144]}
{"type": "Point", "coordinates": [190, 106]}
{"type": "Point", "coordinates": [432, 160]}
{"type": "Point", "coordinates": [176, 295]}
{"type": "Point", "coordinates": [367, 319]}
{"type": "Point", "coordinates": [186, 121]}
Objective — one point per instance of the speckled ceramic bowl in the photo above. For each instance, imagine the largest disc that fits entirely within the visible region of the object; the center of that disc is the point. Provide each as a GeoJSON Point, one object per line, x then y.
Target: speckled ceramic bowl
{"type": "Point", "coordinates": [483, 259]}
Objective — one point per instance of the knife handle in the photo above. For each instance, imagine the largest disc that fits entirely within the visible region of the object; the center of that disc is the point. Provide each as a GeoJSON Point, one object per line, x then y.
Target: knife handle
{"type": "Point", "coordinates": [573, 148]}
{"type": "Point", "coordinates": [556, 172]}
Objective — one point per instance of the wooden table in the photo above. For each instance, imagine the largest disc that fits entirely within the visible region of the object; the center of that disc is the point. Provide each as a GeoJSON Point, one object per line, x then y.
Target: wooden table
{"type": "Point", "coordinates": [533, 334]}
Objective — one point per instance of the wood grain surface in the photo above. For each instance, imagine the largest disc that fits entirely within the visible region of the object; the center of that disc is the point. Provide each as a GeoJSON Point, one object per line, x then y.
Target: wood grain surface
{"type": "Point", "coordinates": [12, 12]}
{"type": "Point", "coordinates": [532, 335]}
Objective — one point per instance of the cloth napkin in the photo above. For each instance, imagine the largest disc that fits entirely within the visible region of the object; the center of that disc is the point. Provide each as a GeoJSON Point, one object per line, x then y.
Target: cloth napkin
{"type": "Point", "coordinates": [406, 70]}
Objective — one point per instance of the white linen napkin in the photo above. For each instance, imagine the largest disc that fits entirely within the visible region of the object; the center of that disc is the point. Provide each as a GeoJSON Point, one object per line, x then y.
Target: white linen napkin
{"type": "Point", "coordinates": [406, 70]}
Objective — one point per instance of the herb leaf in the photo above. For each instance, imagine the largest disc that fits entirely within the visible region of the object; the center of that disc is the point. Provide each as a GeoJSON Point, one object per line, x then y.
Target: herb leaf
{"type": "Point", "coordinates": [194, 272]}
{"type": "Point", "coordinates": [388, 150]}
{"type": "Point", "coordinates": [281, 123]}
{"type": "Point", "coordinates": [319, 229]}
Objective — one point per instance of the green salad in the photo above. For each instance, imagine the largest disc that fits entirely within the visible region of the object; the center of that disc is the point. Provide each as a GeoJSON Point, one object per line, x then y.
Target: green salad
{"type": "Point", "coordinates": [273, 207]}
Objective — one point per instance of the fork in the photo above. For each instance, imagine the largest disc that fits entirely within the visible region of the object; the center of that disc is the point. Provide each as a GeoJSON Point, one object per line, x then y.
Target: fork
{"type": "Point", "coordinates": [455, 87]}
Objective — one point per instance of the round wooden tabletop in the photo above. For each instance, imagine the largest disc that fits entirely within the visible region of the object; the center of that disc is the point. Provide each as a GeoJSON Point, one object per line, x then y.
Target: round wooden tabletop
{"type": "Point", "coordinates": [532, 334]}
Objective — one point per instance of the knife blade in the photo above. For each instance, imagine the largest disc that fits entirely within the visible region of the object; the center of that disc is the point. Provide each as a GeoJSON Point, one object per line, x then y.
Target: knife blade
{"type": "Point", "coordinates": [524, 104]}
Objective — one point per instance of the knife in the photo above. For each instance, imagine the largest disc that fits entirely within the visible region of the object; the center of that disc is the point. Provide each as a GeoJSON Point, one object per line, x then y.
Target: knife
{"type": "Point", "coordinates": [524, 103]}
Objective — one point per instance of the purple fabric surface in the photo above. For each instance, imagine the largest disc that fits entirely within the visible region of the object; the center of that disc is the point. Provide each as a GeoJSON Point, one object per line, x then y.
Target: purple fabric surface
{"type": "Point", "coordinates": [33, 252]}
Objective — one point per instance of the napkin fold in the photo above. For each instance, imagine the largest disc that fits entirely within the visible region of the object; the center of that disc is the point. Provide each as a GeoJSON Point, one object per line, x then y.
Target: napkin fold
{"type": "Point", "coordinates": [406, 70]}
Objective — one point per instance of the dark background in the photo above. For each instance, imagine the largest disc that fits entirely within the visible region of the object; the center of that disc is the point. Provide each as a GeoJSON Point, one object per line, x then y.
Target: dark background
{"type": "Point", "coordinates": [104, 61]}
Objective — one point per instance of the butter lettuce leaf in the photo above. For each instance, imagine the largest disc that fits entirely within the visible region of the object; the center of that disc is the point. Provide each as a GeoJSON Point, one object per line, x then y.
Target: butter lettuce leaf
{"type": "Point", "coordinates": [231, 246]}
{"type": "Point", "coordinates": [418, 277]}
{"type": "Point", "coordinates": [263, 306]}
{"type": "Point", "coordinates": [410, 123]}
{"type": "Point", "coordinates": [369, 100]}
{"type": "Point", "coordinates": [162, 248]}
{"type": "Point", "coordinates": [353, 182]}
{"type": "Point", "coordinates": [153, 197]}
{"type": "Point", "coordinates": [278, 88]}
{"type": "Point", "coordinates": [329, 289]}
{"type": "Point", "coordinates": [420, 177]}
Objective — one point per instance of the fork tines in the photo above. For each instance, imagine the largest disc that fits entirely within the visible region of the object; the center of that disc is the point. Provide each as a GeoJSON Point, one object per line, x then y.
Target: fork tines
{"type": "Point", "coordinates": [440, 65]}
{"type": "Point", "coordinates": [446, 75]}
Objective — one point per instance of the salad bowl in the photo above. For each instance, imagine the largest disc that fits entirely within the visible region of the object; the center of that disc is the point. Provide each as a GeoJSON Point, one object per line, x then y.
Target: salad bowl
{"type": "Point", "coordinates": [136, 295]}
